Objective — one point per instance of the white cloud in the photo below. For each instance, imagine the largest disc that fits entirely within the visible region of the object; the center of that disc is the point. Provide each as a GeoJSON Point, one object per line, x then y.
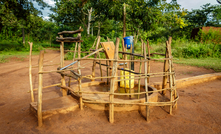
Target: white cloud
{"type": "Point", "coordinates": [194, 4]}
{"type": "Point", "coordinates": [50, 2]}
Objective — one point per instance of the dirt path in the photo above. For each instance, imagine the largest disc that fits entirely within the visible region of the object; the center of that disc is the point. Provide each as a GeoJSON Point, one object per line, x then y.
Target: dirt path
{"type": "Point", "coordinates": [198, 110]}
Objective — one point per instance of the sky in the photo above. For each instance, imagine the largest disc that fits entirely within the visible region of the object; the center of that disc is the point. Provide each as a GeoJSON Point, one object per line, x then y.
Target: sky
{"type": "Point", "coordinates": [186, 4]}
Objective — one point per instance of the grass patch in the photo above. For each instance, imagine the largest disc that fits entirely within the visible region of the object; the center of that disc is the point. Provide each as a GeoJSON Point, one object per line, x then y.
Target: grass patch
{"type": "Point", "coordinates": [20, 56]}
{"type": "Point", "coordinates": [209, 63]}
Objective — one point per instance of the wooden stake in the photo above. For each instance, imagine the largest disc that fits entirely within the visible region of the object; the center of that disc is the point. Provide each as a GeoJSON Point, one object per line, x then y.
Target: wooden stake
{"type": "Point", "coordinates": [165, 69]}
{"type": "Point", "coordinates": [100, 67]}
{"type": "Point", "coordinates": [130, 72]}
{"type": "Point", "coordinates": [79, 72]}
{"type": "Point", "coordinates": [95, 56]}
{"type": "Point", "coordinates": [75, 50]}
{"type": "Point", "coordinates": [146, 84]}
{"type": "Point", "coordinates": [124, 49]}
{"type": "Point", "coordinates": [170, 80]}
{"type": "Point", "coordinates": [64, 91]}
{"type": "Point", "coordinates": [30, 74]}
{"type": "Point", "coordinates": [107, 71]}
{"type": "Point", "coordinates": [112, 84]}
{"type": "Point", "coordinates": [40, 77]}
{"type": "Point", "coordinates": [140, 69]}
{"type": "Point", "coordinates": [148, 71]}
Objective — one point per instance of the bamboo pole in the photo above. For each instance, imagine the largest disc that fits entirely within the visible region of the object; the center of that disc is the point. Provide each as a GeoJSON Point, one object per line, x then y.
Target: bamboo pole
{"type": "Point", "coordinates": [113, 83]}
{"type": "Point", "coordinates": [140, 69]}
{"type": "Point", "coordinates": [64, 91]}
{"type": "Point", "coordinates": [30, 74]}
{"type": "Point", "coordinates": [148, 71]}
{"type": "Point", "coordinates": [146, 84]}
{"type": "Point", "coordinates": [40, 81]}
{"type": "Point", "coordinates": [95, 57]}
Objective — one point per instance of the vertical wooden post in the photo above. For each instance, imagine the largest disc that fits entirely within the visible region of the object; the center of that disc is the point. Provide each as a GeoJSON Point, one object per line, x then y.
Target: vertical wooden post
{"type": "Point", "coordinates": [148, 71]}
{"type": "Point", "coordinates": [165, 69]}
{"type": "Point", "coordinates": [146, 84]}
{"type": "Point", "coordinates": [140, 69]}
{"type": "Point", "coordinates": [107, 71]}
{"type": "Point", "coordinates": [112, 83]}
{"type": "Point", "coordinates": [95, 56]}
{"type": "Point", "coordinates": [174, 94]}
{"type": "Point", "coordinates": [64, 91]}
{"type": "Point", "coordinates": [170, 76]}
{"type": "Point", "coordinates": [130, 71]}
{"type": "Point", "coordinates": [40, 77]}
{"type": "Point", "coordinates": [75, 50]}
{"type": "Point", "coordinates": [124, 56]}
{"type": "Point", "coordinates": [100, 67]}
{"type": "Point", "coordinates": [30, 74]}
{"type": "Point", "coordinates": [79, 71]}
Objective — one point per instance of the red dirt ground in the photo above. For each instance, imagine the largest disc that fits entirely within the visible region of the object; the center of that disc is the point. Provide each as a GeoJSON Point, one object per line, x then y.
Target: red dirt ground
{"type": "Point", "coordinates": [198, 110]}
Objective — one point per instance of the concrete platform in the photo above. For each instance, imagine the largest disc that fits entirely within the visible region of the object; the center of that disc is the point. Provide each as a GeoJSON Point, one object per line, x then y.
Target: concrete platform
{"type": "Point", "coordinates": [56, 105]}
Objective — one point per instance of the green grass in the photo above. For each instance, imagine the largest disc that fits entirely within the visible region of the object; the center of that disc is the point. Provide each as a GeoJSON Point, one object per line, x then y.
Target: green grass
{"type": "Point", "coordinates": [209, 63]}
{"type": "Point", "coordinates": [5, 56]}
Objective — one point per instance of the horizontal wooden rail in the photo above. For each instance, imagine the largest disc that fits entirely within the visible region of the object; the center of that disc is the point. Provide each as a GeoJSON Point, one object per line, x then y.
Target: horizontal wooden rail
{"type": "Point", "coordinates": [71, 32]}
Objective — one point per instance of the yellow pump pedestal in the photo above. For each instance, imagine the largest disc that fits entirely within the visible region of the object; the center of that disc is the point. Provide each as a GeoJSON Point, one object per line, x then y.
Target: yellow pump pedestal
{"type": "Point", "coordinates": [126, 77]}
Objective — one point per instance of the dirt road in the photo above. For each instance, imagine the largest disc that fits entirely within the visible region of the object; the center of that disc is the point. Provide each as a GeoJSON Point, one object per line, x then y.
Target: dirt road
{"type": "Point", "coordinates": [198, 110]}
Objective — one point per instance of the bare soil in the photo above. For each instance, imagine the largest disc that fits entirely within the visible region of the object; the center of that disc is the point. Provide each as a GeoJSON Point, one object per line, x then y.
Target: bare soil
{"type": "Point", "coordinates": [198, 109]}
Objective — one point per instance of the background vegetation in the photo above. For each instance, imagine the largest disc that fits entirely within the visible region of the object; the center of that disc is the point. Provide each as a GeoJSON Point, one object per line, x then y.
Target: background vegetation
{"type": "Point", "coordinates": [154, 20]}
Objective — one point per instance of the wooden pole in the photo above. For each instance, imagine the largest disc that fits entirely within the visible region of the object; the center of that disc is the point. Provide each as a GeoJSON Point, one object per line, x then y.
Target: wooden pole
{"type": "Point", "coordinates": [107, 72]}
{"type": "Point", "coordinates": [165, 69]}
{"type": "Point", "coordinates": [146, 84]}
{"type": "Point", "coordinates": [140, 69]}
{"type": "Point", "coordinates": [75, 50]}
{"type": "Point", "coordinates": [124, 21]}
{"type": "Point", "coordinates": [130, 72]}
{"type": "Point", "coordinates": [79, 72]}
{"type": "Point", "coordinates": [95, 56]}
{"type": "Point", "coordinates": [112, 84]}
{"type": "Point", "coordinates": [170, 76]}
{"type": "Point", "coordinates": [40, 77]}
{"type": "Point", "coordinates": [64, 91]}
{"type": "Point", "coordinates": [172, 69]}
{"type": "Point", "coordinates": [148, 71]}
{"type": "Point", "coordinates": [124, 49]}
{"type": "Point", "coordinates": [30, 74]}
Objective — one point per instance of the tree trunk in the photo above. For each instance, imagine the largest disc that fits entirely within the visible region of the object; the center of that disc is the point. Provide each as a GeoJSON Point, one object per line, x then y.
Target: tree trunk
{"type": "Point", "coordinates": [89, 21]}
{"type": "Point", "coordinates": [92, 31]}
{"type": "Point", "coordinates": [124, 21]}
{"type": "Point", "coordinates": [99, 28]}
